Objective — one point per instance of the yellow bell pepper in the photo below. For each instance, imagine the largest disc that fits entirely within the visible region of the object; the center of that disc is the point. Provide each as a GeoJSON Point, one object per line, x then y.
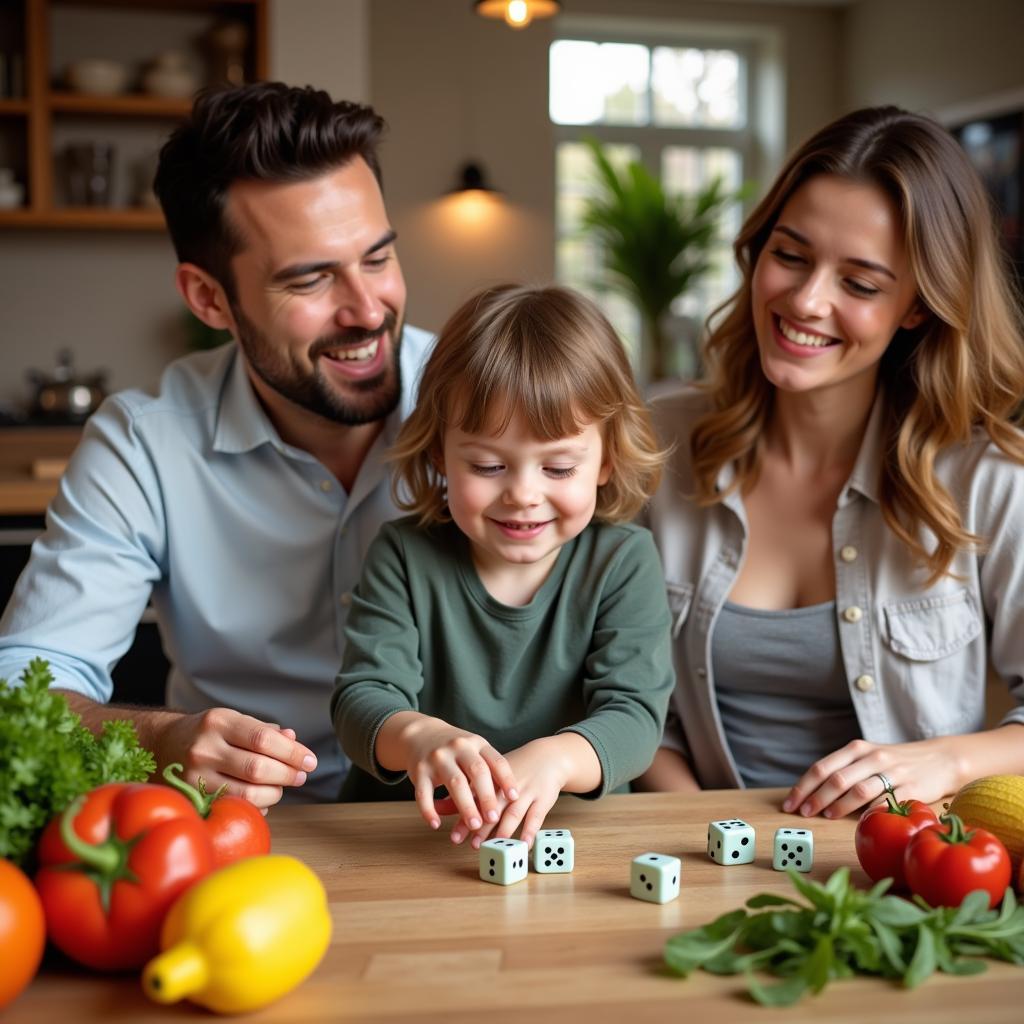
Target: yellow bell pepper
{"type": "Point", "coordinates": [241, 937]}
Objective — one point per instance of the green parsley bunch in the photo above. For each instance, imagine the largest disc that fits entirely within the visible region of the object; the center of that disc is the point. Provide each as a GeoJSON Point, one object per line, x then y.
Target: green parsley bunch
{"type": "Point", "coordinates": [47, 758]}
{"type": "Point", "coordinates": [842, 931]}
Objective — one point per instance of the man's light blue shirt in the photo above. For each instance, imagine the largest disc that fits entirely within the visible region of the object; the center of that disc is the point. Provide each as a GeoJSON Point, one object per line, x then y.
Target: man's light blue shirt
{"type": "Point", "coordinates": [248, 548]}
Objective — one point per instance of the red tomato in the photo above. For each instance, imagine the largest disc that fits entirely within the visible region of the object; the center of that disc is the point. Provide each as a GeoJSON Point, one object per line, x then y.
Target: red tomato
{"type": "Point", "coordinates": [883, 833]}
{"type": "Point", "coordinates": [944, 863]}
{"type": "Point", "coordinates": [22, 932]}
{"type": "Point", "coordinates": [236, 827]}
{"type": "Point", "coordinates": [111, 866]}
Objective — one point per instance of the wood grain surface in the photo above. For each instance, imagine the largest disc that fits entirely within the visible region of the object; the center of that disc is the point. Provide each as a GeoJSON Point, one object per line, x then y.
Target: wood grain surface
{"type": "Point", "coordinates": [419, 938]}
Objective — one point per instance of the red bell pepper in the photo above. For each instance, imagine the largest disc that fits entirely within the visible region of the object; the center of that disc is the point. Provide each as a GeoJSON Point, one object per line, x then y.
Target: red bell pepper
{"type": "Point", "coordinates": [945, 862]}
{"type": "Point", "coordinates": [236, 827]}
{"type": "Point", "coordinates": [883, 833]}
{"type": "Point", "coordinates": [111, 866]}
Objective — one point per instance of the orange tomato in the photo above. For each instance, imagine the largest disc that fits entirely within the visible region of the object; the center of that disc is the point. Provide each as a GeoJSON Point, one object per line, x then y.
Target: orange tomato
{"type": "Point", "coordinates": [22, 931]}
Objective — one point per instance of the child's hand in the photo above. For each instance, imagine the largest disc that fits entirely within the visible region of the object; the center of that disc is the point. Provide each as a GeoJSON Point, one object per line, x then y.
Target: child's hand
{"type": "Point", "coordinates": [541, 770]}
{"type": "Point", "coordinates": [474, 773]}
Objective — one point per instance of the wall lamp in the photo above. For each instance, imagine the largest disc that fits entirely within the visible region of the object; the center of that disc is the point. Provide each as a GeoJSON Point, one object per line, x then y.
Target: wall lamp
{"type": "Point", "coordinates": [517, 13]}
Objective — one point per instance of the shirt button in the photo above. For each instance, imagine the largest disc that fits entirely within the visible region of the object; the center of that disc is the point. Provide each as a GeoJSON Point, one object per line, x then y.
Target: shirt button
{"type": "Point", "coordinates": [702, 672]}
{"type": "Point", "coordinates": [864, 683]}
{"type": "Point", "coordinates": [848, 553]}
{"type": "Point", "coordinates": [346, 599]}
{"type": "Point", "coordinates": [853, 614]}
{"type": "Point", "coordinates": [325, 485]}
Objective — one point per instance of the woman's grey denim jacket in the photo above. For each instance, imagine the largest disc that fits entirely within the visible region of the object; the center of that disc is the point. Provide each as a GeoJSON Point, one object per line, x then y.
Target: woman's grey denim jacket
{"type": "Point", "coordinates": [915, 658]}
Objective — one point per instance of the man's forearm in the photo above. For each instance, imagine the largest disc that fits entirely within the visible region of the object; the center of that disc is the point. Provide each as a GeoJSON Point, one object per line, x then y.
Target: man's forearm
{"type": "Point", "coordinates": [150, 723]}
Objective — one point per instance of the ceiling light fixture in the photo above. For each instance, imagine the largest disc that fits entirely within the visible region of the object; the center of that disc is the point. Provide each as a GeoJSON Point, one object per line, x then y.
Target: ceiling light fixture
{"type": "Point", "coordinates": [517, 13]}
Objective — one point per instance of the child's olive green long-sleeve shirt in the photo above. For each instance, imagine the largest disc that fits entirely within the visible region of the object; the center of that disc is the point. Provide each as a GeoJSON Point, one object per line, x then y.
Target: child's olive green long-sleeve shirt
{"type": "Point", "coordinates": [589, 654]}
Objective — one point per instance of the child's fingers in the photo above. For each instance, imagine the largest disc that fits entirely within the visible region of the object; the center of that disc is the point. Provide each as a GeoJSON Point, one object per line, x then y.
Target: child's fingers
{"type": "Point", "coordinates": [510, 819]}
{"type": "Point", "coordinates": [502, 772]}
{"type": "Point", "coordinates": [459, 790]}
{"type": "Point", "coordinates": [533, 821]}
{"type": "Point", "coordinates": [478, 771]}
{"type": "Point", "coordinates": [424, 787]}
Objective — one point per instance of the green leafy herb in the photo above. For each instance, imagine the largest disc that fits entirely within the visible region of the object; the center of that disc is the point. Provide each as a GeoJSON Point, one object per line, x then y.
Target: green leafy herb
{"type": "Point", "coordinates": [47, 758]}
{"type": "Point", "coordinates": [841, 931]}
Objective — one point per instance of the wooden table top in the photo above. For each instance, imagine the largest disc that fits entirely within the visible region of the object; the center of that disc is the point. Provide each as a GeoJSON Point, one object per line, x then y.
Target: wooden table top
{"type": "Point", "coordinates": [419, 938]}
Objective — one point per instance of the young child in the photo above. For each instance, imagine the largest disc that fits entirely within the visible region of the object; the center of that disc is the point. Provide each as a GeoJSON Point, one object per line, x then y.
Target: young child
{"type": "Point", "coordinates": [518, 610]}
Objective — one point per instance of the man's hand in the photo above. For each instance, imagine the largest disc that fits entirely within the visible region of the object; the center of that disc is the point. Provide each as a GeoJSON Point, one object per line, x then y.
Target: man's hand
{"type": "Point", "coordinates": [255, 759]}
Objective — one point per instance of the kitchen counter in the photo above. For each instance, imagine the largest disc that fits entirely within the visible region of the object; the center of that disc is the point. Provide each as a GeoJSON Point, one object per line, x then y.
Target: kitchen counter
{"type": "Point", "coordinates": [418, 937]}
{"type": "Point", "coordinates": [31, 462]}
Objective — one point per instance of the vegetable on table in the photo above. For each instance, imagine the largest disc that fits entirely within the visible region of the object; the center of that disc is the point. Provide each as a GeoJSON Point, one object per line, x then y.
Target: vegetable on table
{"type": "Point", "coordinates": [946, 862]}
{"type": "Point", "coordinates": [841, 931]}
{"type": "Point", "coordinates": [47, 758]}
{"type": "Point", "coordinates": [22, 932]}
{"type": "Point", "coordinates": [996, 804]}
{"type": "Point", "coordinates": [235, 826]}
{"type": "Point", "coordinates": [111, 866]}
{"type": "Point", "coordinates": [883, 832]}
{"type": "Point", "coordinates": [242, 937]}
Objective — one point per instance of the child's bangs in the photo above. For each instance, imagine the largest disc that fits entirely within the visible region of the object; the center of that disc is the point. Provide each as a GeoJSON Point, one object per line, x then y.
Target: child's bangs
{"type": "Point", "coordinates": [552, 398]}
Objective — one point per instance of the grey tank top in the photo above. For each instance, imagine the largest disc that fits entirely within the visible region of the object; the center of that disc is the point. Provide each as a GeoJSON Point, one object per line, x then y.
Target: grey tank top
{"type": "Point", "coordinates": [781, 688]}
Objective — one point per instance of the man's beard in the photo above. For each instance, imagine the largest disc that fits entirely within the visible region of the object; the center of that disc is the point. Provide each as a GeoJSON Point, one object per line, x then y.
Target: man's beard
{"type": "Point", "coordinates": [371, 399]}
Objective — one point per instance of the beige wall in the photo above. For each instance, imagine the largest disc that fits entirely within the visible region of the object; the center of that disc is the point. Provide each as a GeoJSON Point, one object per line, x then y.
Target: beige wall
{"type": "Point", "coordinates": [455, 86]}
{"type": "Point", "coordinates": [479, 90]}
{"type": "Point", "coordinates": [928, 55]}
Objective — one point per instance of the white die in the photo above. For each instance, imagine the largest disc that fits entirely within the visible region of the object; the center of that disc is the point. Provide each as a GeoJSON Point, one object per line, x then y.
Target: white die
{"type": "Point", "coordinates": [731, 841]}
{"type": "Point", "coordinates": [794, 848]}
{"type": "Point", "coordinates": [553, 851]}
{"type": "Point", "coordinates": [503, 861]}
{"type": "Point", "coordinates": [654, 877]}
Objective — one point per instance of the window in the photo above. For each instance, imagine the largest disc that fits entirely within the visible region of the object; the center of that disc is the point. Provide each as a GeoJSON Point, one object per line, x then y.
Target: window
{"type": "Point", "coordinates": [681, 107]}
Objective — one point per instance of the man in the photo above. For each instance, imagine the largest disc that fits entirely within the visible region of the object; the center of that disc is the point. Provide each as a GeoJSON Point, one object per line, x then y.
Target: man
{"type": "Point", "coordinates": [241, 497]}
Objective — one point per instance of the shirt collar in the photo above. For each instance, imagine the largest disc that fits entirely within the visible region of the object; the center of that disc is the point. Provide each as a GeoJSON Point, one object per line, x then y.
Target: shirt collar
{"type": "Point", "coordinates": [867, 469]}
{"type": "Point", "coordinates": [242, 423]}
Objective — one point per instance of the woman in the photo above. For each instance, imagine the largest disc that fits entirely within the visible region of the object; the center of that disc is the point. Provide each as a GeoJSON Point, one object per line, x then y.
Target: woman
{"type": "Point", "coordinates": [841, 519]}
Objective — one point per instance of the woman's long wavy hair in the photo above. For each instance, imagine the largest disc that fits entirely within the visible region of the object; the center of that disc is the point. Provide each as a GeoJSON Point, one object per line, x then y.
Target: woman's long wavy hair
{"type": "Point", "coordinates": [548, 355]}
{"type": "Point", "coordinates": [961, 369]}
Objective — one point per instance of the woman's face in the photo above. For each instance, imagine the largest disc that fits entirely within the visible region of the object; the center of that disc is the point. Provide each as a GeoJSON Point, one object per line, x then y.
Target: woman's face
{"type": "Point", "coordinates": [831, 287]}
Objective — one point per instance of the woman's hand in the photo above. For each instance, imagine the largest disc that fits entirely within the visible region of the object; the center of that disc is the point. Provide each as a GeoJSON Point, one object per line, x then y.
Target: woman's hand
{"type": "Point", "coordinates": [847, 779]}
{"type": "Point", "coordinates": [434, 753]}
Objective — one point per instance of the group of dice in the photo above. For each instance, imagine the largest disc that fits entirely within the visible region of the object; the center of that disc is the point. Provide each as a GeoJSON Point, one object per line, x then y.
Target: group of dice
{"type": "Point", "coordinates": [654, 876]}
{"type": "Point", "coordinates": [504, 861]}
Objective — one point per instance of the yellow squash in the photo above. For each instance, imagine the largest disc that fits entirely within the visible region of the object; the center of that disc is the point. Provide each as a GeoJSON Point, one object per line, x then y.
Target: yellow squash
{"type": "Point", "coordinates": [996, 803]}
{"type": "Point", "coordinates": [242, 937]}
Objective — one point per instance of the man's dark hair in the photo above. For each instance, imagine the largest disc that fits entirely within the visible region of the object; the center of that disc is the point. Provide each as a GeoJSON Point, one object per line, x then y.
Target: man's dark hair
{"type": "Point", "coordinates": [263, 132]}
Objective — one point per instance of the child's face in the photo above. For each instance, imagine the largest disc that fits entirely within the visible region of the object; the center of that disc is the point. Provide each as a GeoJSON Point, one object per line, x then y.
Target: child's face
{"type": "Point", "coordinates": [519, 499]}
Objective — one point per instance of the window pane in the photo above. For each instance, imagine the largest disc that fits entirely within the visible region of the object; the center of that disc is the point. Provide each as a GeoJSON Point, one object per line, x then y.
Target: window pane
{"type": "Point", "coordinates": [599, 83]}
{"type": "Point", "coordinates": [578, 260]}
{"type": "Point", "coordinates": [697, 88]}
{"type": "Point", "coordinates": [685, 169]}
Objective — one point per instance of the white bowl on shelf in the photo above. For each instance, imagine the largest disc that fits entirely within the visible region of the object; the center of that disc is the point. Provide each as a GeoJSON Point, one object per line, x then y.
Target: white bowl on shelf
{"type": "Point", "coordinates": [97, 76]}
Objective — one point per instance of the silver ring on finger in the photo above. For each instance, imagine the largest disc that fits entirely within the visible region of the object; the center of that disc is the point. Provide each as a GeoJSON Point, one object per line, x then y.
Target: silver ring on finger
{"type": "Point", "coordinates": [887, 786]}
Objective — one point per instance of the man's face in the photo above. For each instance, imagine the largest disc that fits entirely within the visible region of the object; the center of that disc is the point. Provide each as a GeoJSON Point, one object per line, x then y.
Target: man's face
{"type": "Point", "coordinates": [319, 295]}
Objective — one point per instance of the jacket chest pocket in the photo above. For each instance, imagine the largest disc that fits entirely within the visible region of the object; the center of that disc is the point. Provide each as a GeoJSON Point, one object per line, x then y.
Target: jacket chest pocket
{"type": "Point", "coordinates": [934, 664]}
{"type": "Point", "coordinates": [680, 597]}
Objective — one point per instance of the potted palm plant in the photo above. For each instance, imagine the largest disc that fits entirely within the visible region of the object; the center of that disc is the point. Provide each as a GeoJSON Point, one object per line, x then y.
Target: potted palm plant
{"type": "Point", "coordinates": [655, 245]}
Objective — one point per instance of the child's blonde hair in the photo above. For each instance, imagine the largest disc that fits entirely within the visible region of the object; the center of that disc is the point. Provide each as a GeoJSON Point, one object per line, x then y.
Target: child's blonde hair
{"type": "Point", "coordinates": [551, 356]}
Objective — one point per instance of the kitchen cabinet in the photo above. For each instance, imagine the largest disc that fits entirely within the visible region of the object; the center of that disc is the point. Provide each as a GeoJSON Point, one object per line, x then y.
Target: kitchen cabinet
{"type": "Point", "coordinates": [43, 122]}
